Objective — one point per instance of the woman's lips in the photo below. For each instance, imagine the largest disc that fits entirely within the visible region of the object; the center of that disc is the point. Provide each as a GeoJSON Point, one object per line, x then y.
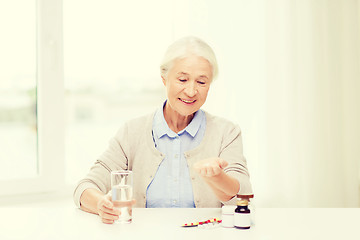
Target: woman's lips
{"type": "Point", "coordinates": [187, 101]}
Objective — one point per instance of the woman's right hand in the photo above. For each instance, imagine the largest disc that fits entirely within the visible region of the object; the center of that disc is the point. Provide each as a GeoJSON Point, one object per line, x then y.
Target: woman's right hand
{"type": "Point", "coordinates": [106, 210]}
{"type": "Point", "coordinates": [94, 201]}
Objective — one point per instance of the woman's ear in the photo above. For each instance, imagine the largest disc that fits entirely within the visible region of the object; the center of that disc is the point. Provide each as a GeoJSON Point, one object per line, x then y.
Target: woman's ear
{"type": "Point", "coordinates": [163, 80]}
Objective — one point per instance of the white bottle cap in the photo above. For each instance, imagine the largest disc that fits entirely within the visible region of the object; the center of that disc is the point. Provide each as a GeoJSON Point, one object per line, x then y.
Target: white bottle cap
{"type": "Point", "coordinates": [228, 209]}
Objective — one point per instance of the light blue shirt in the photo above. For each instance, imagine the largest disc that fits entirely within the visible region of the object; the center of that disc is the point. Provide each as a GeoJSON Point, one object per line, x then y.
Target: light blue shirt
{"type": "Point", "coordinates": [171, 186]}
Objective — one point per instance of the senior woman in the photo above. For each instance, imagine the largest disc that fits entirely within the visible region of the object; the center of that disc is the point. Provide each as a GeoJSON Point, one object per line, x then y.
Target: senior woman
{"type": "Point", "coordinates": [180, 155]}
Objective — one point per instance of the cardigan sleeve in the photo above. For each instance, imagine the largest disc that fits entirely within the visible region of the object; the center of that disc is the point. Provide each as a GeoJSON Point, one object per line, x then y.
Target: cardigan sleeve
{"type": "Point", "coordinates": [114, 158]}
{"type": "Point", "coordinates": [232, 152]}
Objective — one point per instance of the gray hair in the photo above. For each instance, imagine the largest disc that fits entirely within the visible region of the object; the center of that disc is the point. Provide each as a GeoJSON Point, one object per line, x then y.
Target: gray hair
{"type": "Point", "coordinates": [188, 46]}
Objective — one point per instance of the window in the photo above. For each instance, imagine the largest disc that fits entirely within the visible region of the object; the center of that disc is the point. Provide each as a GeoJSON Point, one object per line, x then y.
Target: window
{"type": "Point", "coordinates": [112, 71]}
{"type": "Point", "coordinates": [18, 128]}
{"type": "Point", "coordinates": [31, 96]}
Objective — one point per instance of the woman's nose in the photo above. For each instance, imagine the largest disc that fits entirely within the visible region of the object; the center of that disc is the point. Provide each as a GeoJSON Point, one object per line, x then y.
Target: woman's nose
{"type": "Point", "coordinates": [190, 89]}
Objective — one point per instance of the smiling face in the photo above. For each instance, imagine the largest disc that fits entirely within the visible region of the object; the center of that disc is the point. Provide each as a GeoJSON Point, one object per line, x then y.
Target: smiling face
{"type": "Point", "coordinates": [187, 85]}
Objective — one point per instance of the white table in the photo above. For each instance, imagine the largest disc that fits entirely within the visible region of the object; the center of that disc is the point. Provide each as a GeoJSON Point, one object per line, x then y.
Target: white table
{"type": "Point", "coordinates": [67, 222]}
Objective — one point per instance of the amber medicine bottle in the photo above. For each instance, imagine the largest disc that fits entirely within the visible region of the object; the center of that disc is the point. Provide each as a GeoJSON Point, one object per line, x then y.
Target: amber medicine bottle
{"type": "Point", "coordinates": [242, 219]}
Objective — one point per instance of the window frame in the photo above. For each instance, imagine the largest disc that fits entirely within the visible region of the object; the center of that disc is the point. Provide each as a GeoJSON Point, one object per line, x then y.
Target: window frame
{"type": "Point", "coordinates": [50, 104]}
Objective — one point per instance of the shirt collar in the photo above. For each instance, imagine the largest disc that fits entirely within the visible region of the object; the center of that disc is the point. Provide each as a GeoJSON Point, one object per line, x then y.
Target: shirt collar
{"type": "Point", "coordinates": [161, 128]}
{"type": "Point", "coordinates": [194, 125]}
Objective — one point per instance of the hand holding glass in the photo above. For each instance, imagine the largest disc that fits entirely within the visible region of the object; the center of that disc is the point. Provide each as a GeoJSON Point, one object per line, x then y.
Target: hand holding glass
{"type": "Point", "coordinates": [122, 194]}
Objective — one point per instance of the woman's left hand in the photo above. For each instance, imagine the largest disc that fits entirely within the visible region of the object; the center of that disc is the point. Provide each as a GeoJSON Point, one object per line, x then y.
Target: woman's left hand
{"type": "Point", "coordinates": [210, 167]}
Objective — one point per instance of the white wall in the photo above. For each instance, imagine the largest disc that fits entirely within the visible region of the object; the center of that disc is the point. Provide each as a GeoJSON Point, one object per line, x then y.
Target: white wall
{"type": "Point", "coordinates": [312, 60]}
{"type": "Point", "coordinates": [289, 75]}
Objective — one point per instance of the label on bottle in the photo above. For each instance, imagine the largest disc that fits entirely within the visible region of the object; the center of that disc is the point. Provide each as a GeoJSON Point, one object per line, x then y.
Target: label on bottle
{"type": "Point", "coordinates": [242, 220]}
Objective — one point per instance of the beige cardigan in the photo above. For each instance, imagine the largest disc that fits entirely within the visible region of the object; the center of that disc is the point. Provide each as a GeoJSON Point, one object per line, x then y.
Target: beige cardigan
{"type": "Point", "coordinates": [133, 148]}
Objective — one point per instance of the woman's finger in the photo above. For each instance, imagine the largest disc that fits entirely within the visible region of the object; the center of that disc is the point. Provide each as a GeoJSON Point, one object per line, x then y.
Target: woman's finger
{"type": "Point", "coordinates": [210, 170]}
{"type": "Point", "coordinates": [125, 204]}
{"type": "Point", "coordinates": [217, 170]}
{"type": "Point", "coordinates": [107, 221]}
{"type": "Point", "coordinates": [107, 202]}
{"type": "Point", "coordinates": [222, 163]}
{"type": "Point", "coordinates": [108, 218]}
{"type": "Point", "coordinates": [114, 211]}
{"type": "Point", "coordinates": [203, 171]}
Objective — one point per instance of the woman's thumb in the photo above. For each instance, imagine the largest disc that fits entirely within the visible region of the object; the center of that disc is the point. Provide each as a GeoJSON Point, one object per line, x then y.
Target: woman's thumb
{"type": "Point", "coordinates": [223, 164]}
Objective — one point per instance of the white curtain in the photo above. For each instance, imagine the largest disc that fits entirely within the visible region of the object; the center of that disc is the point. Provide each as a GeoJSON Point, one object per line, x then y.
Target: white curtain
{"type": "Point", "coordinates": [289, 75]}
{"type": "Point", "coordinates": [310, 131]}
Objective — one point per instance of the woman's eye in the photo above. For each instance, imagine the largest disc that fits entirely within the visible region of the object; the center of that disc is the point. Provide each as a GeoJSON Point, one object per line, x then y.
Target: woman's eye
{"type": "Point", "coordinates": [200, 82]}
{"type": "Point", "coordinates": [182, 80]}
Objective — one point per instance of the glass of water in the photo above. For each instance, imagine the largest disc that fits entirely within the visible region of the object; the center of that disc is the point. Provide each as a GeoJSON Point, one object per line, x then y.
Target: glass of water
{"type": "Point", "coordinates": [122, 194]}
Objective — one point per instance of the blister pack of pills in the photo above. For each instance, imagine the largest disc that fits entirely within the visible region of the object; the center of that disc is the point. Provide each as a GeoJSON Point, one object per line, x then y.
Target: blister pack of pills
{"type": "Point", "coordinates": [209, 223]}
